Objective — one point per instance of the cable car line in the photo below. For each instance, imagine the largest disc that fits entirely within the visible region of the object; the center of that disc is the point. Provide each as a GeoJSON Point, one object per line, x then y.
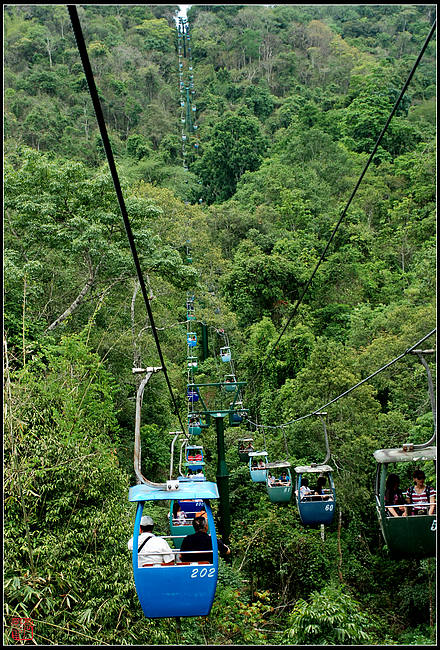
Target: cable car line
{"type": "Point", "coordinates": [76, 25]}
{"type": "Point", "coordinates": [303, 417]}
{"type": "Point", "coordinates": [344, 212]}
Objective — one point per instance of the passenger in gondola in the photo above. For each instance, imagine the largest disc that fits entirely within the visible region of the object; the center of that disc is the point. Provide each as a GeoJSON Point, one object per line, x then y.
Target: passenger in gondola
{"type": "Point", "coordinates": [304, 490]}
{"type": "Point", "coordinates": [394, 497]}
{"type": "Point", "coordinates": [249, 447]}
{"type": "Point", "coordinates": [151, 549]}
{"type": "Point", "coordinates": [284, 479]}
{"type": "Point", "coordinates": [320, 494]}
{"type": "Point", "coordinates": [241, 447]}
{"type": "Point", "coordinates": [199, 543]}
{"type": "Point", "coordinates": [271, 480]}
{"type": "Point", "coordinates": [198, 456]}
{"type": "Point", "coordinates": [421, 496]}
{"type": "Point", "coordinates": [261, 464]}
{"type": "Point", "coordinates": [179, 517]}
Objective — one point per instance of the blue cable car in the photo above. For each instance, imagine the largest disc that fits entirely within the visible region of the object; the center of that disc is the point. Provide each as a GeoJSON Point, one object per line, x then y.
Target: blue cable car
{"type": "Point", "coordinates": [178, 528]}
{"type": "Point", "coordinates": [258, 474]}
{"type": "Point", "coordinates": [192, 395]}
{"type": "Point", "coordinates": [316, 509]}
{"type": "Point", "coordinates": [191, 338]}
{"type": "Point", "coordinates": [182, 589]}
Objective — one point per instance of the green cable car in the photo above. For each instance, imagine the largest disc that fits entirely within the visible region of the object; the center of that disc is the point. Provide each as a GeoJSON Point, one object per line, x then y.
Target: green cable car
{"type": "Point", "coordinates": [244, 447]}
{"type": "Point", "coordinates": [409, 536]}
{"type": "Point", "coordinates": [279, 491]}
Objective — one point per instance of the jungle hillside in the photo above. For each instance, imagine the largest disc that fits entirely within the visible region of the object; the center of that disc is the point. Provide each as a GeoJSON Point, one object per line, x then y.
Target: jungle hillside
{"type": "Point", "coordinates": [233, 204]}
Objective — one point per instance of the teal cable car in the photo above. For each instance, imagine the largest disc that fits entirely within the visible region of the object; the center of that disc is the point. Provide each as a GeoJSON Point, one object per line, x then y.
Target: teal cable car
{"type": "Point", "coordinates": [194, 425]}
{"type": "Point", "coordinates": [257, 466]}
{"type": "Point", "coordinates": [225, 354]}
{"type": "Point", "coordinates": [230, 384]}
{"type": "Point", "coordinates": [179, 526]}
{"type": "Point", "coordinates": [410, 535]}
{"type": "Point", "coordinates": [192, 363]}
{"type": "Point", "coordinates": [244, 447]}
{"type": "Point", "coordinates": [279, 489]}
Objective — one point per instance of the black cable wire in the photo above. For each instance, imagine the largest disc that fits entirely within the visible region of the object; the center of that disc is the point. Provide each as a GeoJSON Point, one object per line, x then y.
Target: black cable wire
{"type": "Point", "coordinates": [108, 150]}
{"type": "Point", "coordinates": [321, 408]}
{"type": "Point", "coordinates": [344, 212]}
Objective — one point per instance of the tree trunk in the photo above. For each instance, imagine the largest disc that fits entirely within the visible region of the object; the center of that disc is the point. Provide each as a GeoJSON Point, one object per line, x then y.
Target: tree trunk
{"type": "Point", "coordinates": [78, 300]}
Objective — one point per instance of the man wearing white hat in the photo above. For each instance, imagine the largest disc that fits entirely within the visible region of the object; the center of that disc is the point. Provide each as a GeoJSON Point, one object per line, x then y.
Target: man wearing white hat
{"type": "Point", "coordinates": [151, 549]}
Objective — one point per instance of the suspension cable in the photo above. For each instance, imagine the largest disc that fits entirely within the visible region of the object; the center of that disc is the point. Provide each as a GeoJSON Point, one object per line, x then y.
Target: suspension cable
{"type": "Point", "coordinates": [111, 162]}
{"type": "Point", "coordinates": [321, 408]}
{"type": "Point", "coordinates": [344, 212]}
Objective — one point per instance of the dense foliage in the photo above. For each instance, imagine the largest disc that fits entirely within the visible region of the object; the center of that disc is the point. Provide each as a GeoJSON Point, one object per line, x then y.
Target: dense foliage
{"type": "Point", "coordinates": [290, 102]}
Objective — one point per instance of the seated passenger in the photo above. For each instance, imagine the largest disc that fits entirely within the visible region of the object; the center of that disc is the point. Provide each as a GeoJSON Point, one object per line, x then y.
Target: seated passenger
{"type": "Point", "coordinates": [199, 543]}
{"type": "Point", "coordinates": [304, 489]}
{"type": "Point", "coordinates": [284, 479]}
{"type": "Point", "coordinates": [198, 456]}
{"type": "Point", "coordinates": [394, 497]}
{"type": "Point", "coordinates": [320, 489]}
{"type": "Point", "coordinates": [261, 464]}
{"type": "Point", "coordinates": [179, 517]}
{"type": "Point", "coordinates": [151, 549]}
{"type": "Point", "coordinates": [421, 496]}
{"type": "Point", "coordinates": [271, 480]}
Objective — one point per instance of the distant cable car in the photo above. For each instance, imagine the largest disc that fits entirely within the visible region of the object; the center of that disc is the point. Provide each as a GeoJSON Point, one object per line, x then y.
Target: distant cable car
{"type": "Point", "coordinates": [225, 354]}
{"type": "Point", "coordinates": [192, 363]}
{"type": "Point", "coordinates": [409, 536]}
{"type": "Point", "coordinates": [230, 384]}
{"type": "Point", "coordinates": [315, 509]}
{"type": "Point", "coordinates": [191, 338]}
{"type": "Point", "coordinates": [279, 491]}
{"type": "Point", "coordinates": [192, 395]}
{"type": "Point", "coordinates": [183, 589]}
{"type": "Point", "coordinates": [236, 416]}
{"type": "Point", "coordinates": [194, 425]}
{"type": "Point", "coordinates": [244, 447]}
{"type": "Point", "coordinates": [179, 528]}
{"type": "Point", "coordinates": [258, 474]}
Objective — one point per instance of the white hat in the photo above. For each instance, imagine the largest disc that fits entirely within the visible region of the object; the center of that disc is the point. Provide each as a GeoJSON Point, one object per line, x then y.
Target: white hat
{"type": "Point", "coordinates": [147, 521]}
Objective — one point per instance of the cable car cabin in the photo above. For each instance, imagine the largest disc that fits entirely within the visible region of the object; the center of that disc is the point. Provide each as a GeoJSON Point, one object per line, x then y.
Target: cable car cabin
{"type": "Point", "coordinates": [236, 416]}
{"type": "Point", "coordinates": [194, 425]}
{"type": "Point", "coordinates": [191, 363]}
{"type": "Point", "coordinates": [181, 515]}
{"type": "Point", "coordinates": [244, 447]}
{"type": "Point", "coordinates": [315, 508]}
{"type": "Point", "coordinates": [279, 482]}
{"type": "Point", "coordinates": [225, 354]}
{"type": "Point", "coordinates": [183, 588]}
{"type": "Point", "coordinates": [191, 339]}
{"type": "Point", "coordinates": [192, 395]}
{"type": "Point", "coordinates": [230, 384]}
{"type": "Point", "coordinates": [257, 466]}
{"type": "Point", "coordinates": [194, 457]}
{"type": "Point", "coordinates": [412, 532]}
